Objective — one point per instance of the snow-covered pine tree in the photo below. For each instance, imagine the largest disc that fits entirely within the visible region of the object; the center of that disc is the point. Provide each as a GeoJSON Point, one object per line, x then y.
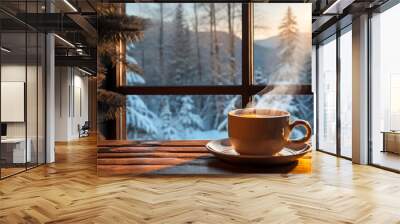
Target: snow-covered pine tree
{"type": "Point", "coordinates": [304, 109]}
{"type": "Point", "coordinates": [199, 74]}
{"type": "Point", "coordinates": [288, 69]}
{"type": "Point", "coordinates": [207, 111]}
{"type": "Point", "coordinates": [141, 122]}
{"type": "Point", "coordinates": [259, 76]}
{"type": "Point", "coordinates": [230, 105]}
{"type": "Point", "coordinates": [167, 129]}
{"type": "Point", "coordinates": [305, 74]}
{"type": "Point", "coordinates": [181, 69]}
{"type": "Point", "coordinates": [133, 77]}
{"type": "Point", "coordinates": [186, 118]}
{"type": "Point", "coordinates": [293, 68]}
{"type": "Point", "coordinates": [288, 36]}
{"type": "Point", "coordinates": [161, 50]}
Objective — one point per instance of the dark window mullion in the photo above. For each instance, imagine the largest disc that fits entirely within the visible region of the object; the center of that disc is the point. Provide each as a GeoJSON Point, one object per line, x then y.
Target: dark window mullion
{"type": "Point", "coordinates": [1, 53]}
{"type": "Point", "coordinates": [369, 87]}
{"type": "Point", "coordinates": [26, 88]}
{"type": "Point", "coordinates": [317, 96]}
{"type": "Point", "coordinates": [289, 89]}
{"type": "Point", "coordinates": [246, 52]}
{"type": "Point", "coordinates": [37, 90]}
{"type": "Point", "coordinates": [180, 90]}
{"type": "Point", "coordinates": [296, 89]}
{"type": "Point", "coordinates": [338, 72]}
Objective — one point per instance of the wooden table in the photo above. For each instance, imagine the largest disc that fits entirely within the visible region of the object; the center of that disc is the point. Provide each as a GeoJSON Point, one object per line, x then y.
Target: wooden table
{"type": "Point", "coordinates": [175, 158]}
{"type": "Point", "coordinates": [14, 151]}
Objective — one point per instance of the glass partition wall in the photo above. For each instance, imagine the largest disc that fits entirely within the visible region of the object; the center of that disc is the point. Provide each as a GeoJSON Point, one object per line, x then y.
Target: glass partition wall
{"type": "Point", "coordinates": [334, 94]}
{"type": "Point", "coordinates": [327, 77]}
{"type": "Point", "coordinates": [385, 89]}
{"type": "Point", "coordinates": [346, 95]}
{"type": "Point", "coordinates": [22, 87]}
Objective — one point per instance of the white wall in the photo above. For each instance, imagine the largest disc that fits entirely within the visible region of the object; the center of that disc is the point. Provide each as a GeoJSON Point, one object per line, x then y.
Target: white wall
{"type": "Point", "coordinates": [11, 73]}
{"type": "Point", "coordinates": [80, 110]}
{"type": "Point", "coordinates": [16, 73]}
{"type": "Point", "coordinates": [71, 103]}
{"type": "Point", "coordinates": [33, 127]}
{"type": "Point", "coordinates": [61, 103]}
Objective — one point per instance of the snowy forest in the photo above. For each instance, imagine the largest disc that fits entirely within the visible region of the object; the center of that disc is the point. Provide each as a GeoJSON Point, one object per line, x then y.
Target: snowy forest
{"type": "Point", "coordinates": [200, 44]}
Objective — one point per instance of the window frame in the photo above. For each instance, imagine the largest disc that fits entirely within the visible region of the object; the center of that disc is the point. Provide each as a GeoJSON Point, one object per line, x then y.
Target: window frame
{"type": "Point", "coordinates": [246, 89]}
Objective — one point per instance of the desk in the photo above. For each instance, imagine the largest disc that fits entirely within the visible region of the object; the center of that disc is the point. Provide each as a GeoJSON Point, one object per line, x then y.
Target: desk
{"type": "Point", "coordinates": [391, 141]}
{"type": "Point", "coordinates": [15, 148]}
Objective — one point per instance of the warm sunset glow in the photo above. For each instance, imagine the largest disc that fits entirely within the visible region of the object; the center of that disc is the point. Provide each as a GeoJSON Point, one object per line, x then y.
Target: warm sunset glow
{"type": "Point", "coordinates": [268, 18]}
{"type": "Point", "coordinates": [149, 10]}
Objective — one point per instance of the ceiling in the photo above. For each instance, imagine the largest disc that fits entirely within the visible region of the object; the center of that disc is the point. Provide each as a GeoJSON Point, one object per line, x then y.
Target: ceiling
{"type": "Point", "coordinates": [75, 21]}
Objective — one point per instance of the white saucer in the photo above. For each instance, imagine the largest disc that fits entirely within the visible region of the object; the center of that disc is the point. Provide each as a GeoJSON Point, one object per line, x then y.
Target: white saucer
{"type": "Point", "coordinates": [222, 149]}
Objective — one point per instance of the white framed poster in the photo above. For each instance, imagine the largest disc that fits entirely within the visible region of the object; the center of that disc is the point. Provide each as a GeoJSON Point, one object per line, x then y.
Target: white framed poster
{"type": "Point", "coordinates": [12, 101]}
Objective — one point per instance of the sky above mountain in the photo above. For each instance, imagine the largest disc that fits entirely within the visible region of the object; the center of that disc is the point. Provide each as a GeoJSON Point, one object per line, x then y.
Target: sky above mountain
{"type": "Point", "coordinates": [152, 11]}
{"type": "Point", "coordinates": [267, 16]}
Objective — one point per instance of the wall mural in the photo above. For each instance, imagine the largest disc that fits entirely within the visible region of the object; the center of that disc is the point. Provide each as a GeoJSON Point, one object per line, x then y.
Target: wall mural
{"type": "Point", "coordinates": [190, 44]}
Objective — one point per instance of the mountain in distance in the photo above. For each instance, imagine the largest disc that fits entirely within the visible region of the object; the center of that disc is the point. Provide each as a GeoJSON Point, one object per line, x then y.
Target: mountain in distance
{"type": "Point", "coordinates": [266, 52]}
{"type": "Point", "coordinates": [146, 52]}
{"type": "Point", "coordinates": [273, 42]}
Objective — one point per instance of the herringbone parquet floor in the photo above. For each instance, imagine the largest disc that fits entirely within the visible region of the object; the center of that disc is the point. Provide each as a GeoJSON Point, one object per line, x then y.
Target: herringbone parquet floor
{"type": "Point", "coordinates": [69, 191]}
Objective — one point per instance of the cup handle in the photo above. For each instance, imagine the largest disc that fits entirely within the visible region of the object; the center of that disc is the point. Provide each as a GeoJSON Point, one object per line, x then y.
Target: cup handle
{"type": "Point", "coordinates": [306, 137]}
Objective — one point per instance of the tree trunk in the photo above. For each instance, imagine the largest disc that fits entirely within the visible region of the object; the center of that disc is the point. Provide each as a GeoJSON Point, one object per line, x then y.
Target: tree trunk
{"type": "Point", "coordinates": [216, 43]}
{"type": "Point", "coordinates": [232, 59]}
{"type": "Point", "coordinates": [219, 99]}
{"type": "Point", "coordinates": [215, 63]}
{"type": "Point", "coordinates": [212, 60]}
{"type": "Point", "coordinates": [212, 53]}
{"type": "Point", "coordinates": [196, 29]}
{"type": "Point", "coordinates": [143, 58]}
{"type": "Point", "coordinates": [161, 44]}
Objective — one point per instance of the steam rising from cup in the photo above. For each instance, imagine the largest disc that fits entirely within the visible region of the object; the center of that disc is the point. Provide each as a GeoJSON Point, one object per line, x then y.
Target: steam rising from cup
{"type": "Point", "coordinates": [293, 65]}
{"type": "Point", "coordinates": [282, 84]}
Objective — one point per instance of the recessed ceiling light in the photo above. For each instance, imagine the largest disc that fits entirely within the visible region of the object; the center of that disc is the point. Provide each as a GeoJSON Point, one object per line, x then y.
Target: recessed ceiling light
{"type": "Point", "coordinates": [84, 71]}
{"type": "Point", "coordinates": [338, 6]}
{"type": "Point", "coordinates": [65, 41]}
{"type": "Point", "coordinates": [70, 5]}
{"type": "Point", "coordinates": [5, 50]}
